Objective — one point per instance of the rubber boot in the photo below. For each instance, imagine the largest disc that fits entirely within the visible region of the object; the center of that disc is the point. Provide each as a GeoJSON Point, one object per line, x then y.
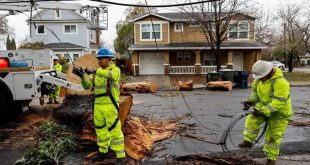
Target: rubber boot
{"type": "Point", "coordinates": [99, 157]}
{"type": "Point", "coordinates": [245, 145]}
{"type": "Point", "coordinates": [270, 162]}
{"type": "Point", "coordinates": [121, 161]}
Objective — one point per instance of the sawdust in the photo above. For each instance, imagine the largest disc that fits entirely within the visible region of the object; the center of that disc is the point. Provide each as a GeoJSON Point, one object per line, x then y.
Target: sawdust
{"type": "Point", "coordinates": [24, 132]}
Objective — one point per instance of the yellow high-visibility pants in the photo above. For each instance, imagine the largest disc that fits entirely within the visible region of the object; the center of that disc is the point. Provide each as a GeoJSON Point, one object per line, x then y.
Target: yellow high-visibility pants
{"type": "Point", "coordinates": [273, 137]}
{"type": "Point", "coordinates": [104, 117]}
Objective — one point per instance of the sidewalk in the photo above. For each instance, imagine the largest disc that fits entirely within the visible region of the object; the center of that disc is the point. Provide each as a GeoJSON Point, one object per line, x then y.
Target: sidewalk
{"type": "Point", "coordinates": [165, 83]}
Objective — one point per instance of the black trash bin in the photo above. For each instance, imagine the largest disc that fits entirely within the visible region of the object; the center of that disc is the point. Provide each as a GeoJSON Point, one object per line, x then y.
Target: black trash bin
{"type": "Point", "coordinates": [213, 76]}
{"type": "Point", "coordinates": [243, 79]}
{"type": "Point", "coordinates": [228, 75]}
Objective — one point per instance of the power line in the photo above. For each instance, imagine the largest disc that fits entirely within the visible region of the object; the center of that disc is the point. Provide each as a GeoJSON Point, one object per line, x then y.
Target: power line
{"type": "Point", "coordinates": [122, 4]}
{"type": "Point", "coordinates": [157, 6]}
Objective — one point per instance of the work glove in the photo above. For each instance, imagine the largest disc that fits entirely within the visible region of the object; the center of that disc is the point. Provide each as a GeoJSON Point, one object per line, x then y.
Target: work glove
{"type": "Point", "coordinates": [257, 112]}
{"type": "Point", "coordinates": [246, 105]}
{"type": "Point", "coordinates": [78, 71]}
{"type": "Point", "coordinates": [90, 71]}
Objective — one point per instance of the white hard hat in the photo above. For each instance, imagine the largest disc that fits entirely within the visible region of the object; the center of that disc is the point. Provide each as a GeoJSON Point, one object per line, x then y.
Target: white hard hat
{"type": "Point", "coordinates": [261, 69]}
{"type": "Point", "coordinates": [55, 58]}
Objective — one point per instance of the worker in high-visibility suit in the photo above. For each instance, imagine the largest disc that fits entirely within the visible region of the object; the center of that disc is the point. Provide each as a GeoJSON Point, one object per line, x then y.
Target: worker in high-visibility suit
{"type": "Point", "coordinates": [54, 96]}
{"type": "Point", "coordinates": [271, 101]}
{"type": "Point", "coordinates": [105, 82]}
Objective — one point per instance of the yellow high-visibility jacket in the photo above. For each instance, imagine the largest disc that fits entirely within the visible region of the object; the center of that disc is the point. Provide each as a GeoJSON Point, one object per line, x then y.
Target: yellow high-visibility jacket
{"type": "Point", "coordinates": [272, 97]}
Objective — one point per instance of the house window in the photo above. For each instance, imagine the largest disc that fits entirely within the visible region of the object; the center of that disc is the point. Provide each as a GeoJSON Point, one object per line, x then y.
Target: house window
{"type": "Point", "coordinates": [194, 24]}
{"type": "Point", "coordinates": [184, 57]}
{"type": "Point", "coordinates": [57, 14]}
{"type": "Point", "coordinates": [67, 57]}
{"type": "Point", "coordinates": [213, 28]}
{"type": "Point", "coordinates": [243, 30]}
{"type": "Point", "coordinates": [178, 27]}
{"type": "Point", "coordinates": [208, 59]}
{"type": "Point", "coordinates": [93, 52]}
{"type": "Point", "coordinates": [40, 30]}
{"type": "Point", "coordinates": [238, 30]}
{"type": "Point", "coordinates": [149, 33]}
{"type": "Point", "coordinates": [75, 56]}
{"type": "Point", "coordinates": [70, 29]}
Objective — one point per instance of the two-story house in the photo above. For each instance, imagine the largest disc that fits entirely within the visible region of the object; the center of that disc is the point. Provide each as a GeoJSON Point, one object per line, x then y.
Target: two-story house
{"type": "Point", "coordinates": [181, 46]}
{"type": "Point", "coordinates": [65, 32]}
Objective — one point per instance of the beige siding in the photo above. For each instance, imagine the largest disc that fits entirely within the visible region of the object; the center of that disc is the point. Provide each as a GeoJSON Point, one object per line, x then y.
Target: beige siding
{"type": "Point", "coordinates": [190, 34]}
{"type": "Point", "coordinates": [135, 57]}
{"type": "Point", "coordinates": [252, 31]}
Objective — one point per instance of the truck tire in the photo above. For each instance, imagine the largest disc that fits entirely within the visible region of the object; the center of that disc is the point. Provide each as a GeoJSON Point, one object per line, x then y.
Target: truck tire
{"type": "Point", "coordinates": [4, 104]}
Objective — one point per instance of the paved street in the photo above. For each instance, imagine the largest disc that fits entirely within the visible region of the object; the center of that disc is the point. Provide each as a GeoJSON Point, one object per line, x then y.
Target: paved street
{"type": "Point", "coordinates": [207, 106]}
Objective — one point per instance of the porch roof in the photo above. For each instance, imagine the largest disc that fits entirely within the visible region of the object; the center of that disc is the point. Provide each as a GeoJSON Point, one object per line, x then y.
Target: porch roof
{"type": "Point", "coordinates": [64, 45]}
{"type": "Point", "coordinates": [226, 45]}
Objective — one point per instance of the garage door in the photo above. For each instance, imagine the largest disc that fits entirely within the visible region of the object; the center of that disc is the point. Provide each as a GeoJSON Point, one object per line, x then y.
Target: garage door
{"type": "Point", "coordinates": [151, 63]}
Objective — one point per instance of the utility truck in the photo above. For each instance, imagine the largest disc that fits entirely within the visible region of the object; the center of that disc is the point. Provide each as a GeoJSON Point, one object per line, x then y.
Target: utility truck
{"type": "Point", "coordinates": [25, 75]}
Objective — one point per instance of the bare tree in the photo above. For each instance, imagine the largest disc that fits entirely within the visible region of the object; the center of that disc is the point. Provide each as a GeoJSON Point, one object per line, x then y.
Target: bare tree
{"type": "Point", "coordinates": [289, 16]}
{"type": "Point", "coordinates": [214, 19]}
{"type": "Point", "coordinates": [4, 28]}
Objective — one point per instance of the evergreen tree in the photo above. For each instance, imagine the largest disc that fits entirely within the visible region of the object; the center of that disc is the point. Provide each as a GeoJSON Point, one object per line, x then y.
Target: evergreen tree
{"type": "Point", "coordinates": [13, 44]}
{"type": "Point", "coordinates": [8, 43]}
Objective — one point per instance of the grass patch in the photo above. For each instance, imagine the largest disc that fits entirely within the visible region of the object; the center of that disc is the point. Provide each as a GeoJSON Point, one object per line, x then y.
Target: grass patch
{"type": "Point", "coordinates": [297, 76]}
{"type": "Point", "coordinates": [54, 142]}
{"type": "Point", "coordinates": [292, 77]}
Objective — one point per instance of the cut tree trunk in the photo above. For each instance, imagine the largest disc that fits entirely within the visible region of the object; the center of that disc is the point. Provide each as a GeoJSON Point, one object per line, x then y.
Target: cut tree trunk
{"type": "Point", "coordinates": [142, 87]}
{"type": "Point", "coordinates": [220, 85]}
{"type": "Point", "coordinates": [86, 61]}
{"type": "Point", "coordinates": [185, 85]}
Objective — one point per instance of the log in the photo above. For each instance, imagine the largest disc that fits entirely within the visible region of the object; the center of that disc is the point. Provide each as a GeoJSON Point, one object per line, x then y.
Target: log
{"type": "Point", "coordinates": [220, 85]}
{"type": "Point", "coordinates": [185, 85]}
{"type": "Point", "coordinates": [141, 87]}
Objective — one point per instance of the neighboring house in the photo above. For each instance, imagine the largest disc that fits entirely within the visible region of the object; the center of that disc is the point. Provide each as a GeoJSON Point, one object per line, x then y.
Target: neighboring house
{"type": "Point", "coordinates": [70, 27]}
{"type": "Point", "coordinates": [305, 59]}
{"type": "Point", "coordinates": [182, 46]}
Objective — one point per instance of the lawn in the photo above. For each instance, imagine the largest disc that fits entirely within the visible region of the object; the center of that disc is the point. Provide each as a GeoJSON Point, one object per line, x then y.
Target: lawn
{"type": "Point", "coordinates": [297, 76]}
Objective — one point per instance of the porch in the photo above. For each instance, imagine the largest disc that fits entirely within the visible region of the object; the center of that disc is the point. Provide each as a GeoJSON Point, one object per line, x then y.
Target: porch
{"type": "Point", "coordinates": [191, 62]}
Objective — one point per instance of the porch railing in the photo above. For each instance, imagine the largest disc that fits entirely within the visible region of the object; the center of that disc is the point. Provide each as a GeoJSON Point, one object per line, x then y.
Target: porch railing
{"type": "Point", "coordinates": [182, 69]}
{"type": "Point", "coordinates": [207, 69]}
{"type": "Point", "coordinates": [192, 69]}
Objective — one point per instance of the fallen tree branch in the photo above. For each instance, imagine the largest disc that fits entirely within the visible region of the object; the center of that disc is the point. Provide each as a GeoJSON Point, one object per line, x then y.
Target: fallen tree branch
{"type": "Point", "coordinates": [299, 123]}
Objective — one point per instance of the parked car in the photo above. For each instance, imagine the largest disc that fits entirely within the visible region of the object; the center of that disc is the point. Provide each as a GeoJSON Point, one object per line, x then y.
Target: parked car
{"type": "Point", "coordinates": [278, 64]}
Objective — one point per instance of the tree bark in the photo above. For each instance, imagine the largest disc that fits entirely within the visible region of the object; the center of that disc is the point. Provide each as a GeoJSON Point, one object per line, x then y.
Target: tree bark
{"type": "Point", "coordinates": [185, 85]}
{"type": "Point", "coordinates": [220, 85]}
{"type": "Point", "coordinates": [142, 87]}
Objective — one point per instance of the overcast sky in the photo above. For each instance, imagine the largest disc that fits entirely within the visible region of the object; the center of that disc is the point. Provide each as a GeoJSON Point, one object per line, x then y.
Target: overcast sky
{"type": "Point", "coordinates": [21, 29]}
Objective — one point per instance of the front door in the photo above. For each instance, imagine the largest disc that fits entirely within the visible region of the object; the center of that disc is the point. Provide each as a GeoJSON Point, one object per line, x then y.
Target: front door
{"type": "Point", "coordinates": [238, 60]}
